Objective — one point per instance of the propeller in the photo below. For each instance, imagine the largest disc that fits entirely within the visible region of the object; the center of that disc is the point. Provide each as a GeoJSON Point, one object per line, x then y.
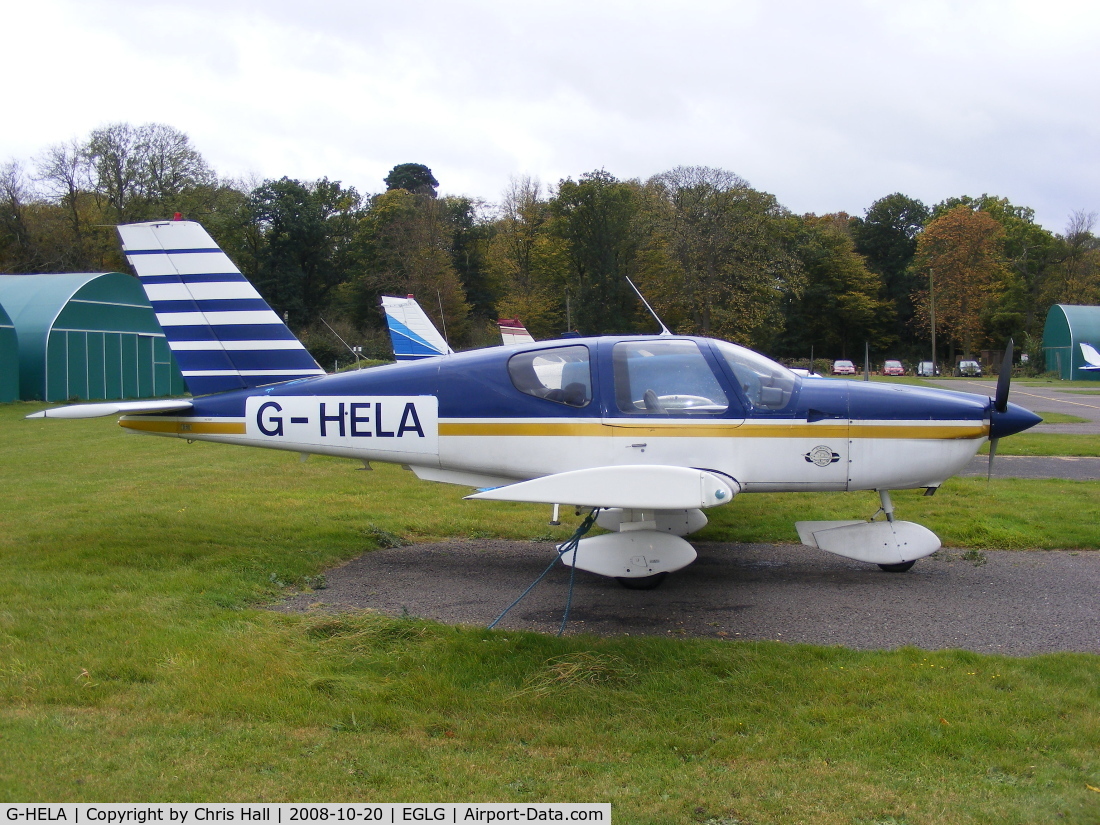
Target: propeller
{"type": "Point", "coordinates": [1000, 401]}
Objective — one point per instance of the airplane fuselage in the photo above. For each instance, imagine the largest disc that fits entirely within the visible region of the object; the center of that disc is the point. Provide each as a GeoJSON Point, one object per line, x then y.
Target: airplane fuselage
{"type": "Point", "coordinates": [500, 415]}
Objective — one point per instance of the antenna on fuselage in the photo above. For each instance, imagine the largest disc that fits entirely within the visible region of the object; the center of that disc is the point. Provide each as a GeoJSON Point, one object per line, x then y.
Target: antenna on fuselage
{"type": "Point", "coordinates": [351, 349]}
{"type": "Point", "coordinates": [664, 329]}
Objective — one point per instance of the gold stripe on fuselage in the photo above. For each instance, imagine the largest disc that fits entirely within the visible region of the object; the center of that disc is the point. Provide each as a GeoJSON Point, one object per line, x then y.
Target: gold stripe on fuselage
{"type": "Point", "coordinates": [630, 428]}
{"type": "Point", "coordinates": [626, 429]}
{"type": "Point", "coordinates": [182, 426]}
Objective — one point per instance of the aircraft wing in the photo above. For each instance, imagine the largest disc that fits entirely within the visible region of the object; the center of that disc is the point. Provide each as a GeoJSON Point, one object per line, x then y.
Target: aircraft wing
{"type": "Point", "coordinates": [632, 487]}
{"type": "Point", "coordinates": [1091, 355]}
{"type": "Point", "coordinates": [114, 408]}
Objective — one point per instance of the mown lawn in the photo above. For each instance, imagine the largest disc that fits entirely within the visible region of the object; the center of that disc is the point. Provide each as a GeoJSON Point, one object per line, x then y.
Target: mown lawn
{"type": "Point", "coordinates": [137, 663]}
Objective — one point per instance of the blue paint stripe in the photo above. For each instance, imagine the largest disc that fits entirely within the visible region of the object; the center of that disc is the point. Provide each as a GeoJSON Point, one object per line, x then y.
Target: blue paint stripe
{"type": "Point", "coordinates": [173, 251]}
{"type": "Point", "coordinates": [407, 344]}
{"type": "Point", "coordinates": [244, 360]}
{"type": "Point", "coordinates": [236, 332]}
{"type": "Point", "coordinates": [408, 338]}
{"type": "Point", "coordinates": [206, 385]}
{"type": "Point", "coordinates": [204, 278]}
{"type": "Point", "coordinates": [213, 305]}
{"type": "Point", "coordinates": [209, 277]}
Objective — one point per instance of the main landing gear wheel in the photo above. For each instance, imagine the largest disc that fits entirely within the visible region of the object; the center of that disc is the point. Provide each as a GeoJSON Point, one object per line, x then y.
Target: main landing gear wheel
{"type": "Point", "coordinates": [641, 582]}
{"type": "Point", "coordinates": [901, 567]}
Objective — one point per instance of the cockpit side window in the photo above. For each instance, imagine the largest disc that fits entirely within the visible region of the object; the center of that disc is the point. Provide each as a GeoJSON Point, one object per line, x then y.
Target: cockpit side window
{"type": "Point", "coordinates": [562, 374]}
{"type": "Point", "coordinates": [766, 384]}
{"type": "Point", "coordinates": [665, 378]}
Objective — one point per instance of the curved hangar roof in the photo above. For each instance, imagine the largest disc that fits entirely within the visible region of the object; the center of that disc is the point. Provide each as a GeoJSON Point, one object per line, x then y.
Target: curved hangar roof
{"type": "Point", "coordinates": [1067, 327]}
{"type": "Point", "coordinates": [89, 336]}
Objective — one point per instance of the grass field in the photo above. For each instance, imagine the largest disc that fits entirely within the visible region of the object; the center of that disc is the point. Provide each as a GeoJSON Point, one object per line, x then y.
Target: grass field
{"type": "Point", "coordinates": [137, 663]}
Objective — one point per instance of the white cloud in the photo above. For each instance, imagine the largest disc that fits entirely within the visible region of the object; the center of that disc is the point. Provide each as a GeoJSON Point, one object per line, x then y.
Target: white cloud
{"type": "Point", "coordinates": [829, 106]}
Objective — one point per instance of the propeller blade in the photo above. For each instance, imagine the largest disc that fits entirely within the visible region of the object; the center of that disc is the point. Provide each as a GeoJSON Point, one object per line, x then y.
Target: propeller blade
{"type": "Point", "coordinates": [1000, 401]}
{"type": "Point", "coordinates": [992, 453]}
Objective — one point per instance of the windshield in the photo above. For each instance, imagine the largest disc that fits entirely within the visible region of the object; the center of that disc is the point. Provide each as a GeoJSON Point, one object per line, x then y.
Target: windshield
{"type": "Point", "coordinates": [765, 383]}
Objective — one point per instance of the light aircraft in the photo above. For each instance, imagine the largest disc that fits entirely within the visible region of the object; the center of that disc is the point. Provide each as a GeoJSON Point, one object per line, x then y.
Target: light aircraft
{"type": "Point", "coordinates": [414, 336]}
{"type": "Point", "coordinates": [649, 430]}
{"type": "Point", "coordinates": [1091, 355]}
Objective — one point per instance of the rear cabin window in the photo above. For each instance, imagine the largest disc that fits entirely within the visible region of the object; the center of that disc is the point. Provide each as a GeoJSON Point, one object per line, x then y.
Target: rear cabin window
{"type": "Point", "coordinates": [562, 375]}
{"type": "Point", "coordinates": [665, 378]}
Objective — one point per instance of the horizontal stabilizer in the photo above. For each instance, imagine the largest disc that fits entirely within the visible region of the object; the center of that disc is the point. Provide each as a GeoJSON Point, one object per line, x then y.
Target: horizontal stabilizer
{"type": "Point", "coordinates": [631, 555]}
{"type": "Point", "coordinates": [114, 408]}
{"type": "Point", "coordinates": [637, 487]}
{"type": "Point", "coordinates": [878, 542]}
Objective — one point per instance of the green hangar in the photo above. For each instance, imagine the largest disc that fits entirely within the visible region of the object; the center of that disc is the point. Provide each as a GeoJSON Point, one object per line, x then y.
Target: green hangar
{"type": "Point", "coordinates": [1068, 327]}
{"type": "Point", "coordinates": [9, 359]}
{"type": "Point", "coordinates": [90, 336]}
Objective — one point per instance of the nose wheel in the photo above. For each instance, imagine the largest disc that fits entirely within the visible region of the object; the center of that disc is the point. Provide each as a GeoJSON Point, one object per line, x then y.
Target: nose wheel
{"type": "Point", "coordinates": [897, 568]}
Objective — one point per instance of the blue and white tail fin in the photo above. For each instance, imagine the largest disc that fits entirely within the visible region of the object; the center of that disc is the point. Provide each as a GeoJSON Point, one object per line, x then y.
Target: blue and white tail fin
{"type": "Point", "coordinates": [1091, 355]}
{"type": "Point", "coordinates": [223, 334]}
{"type": "Point", "coordinates": [414, 336]}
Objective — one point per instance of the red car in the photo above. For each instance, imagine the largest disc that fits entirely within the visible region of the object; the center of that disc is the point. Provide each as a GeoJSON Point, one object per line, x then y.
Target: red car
{"type": "Point", "coordinates": [893, 368]}
{"type": "Point", "coordinates": [844, 368]}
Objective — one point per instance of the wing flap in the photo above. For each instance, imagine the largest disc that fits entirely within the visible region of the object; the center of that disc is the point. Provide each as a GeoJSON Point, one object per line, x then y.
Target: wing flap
{"type": "Point", "coordinates": [637, 487]}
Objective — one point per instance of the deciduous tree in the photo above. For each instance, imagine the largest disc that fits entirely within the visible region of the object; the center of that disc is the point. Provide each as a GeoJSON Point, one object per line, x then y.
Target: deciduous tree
{"type": "Point", "coordinates": [595, 217]}
{"type": "Point", "coordinates": [727, 241]}
{"type": "Point", "coordinates": [963, 250]}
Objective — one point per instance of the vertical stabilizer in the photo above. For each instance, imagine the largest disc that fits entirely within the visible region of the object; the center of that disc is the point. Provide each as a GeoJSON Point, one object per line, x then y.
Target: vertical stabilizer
{"type": "Point", "coordinates": [413, 334]}
{"type": "Point", "coordinates": [223, 335]}
{"type": "Point", "coordinates": [1091, 355]}
{"type": "Point", "coordinates": [514, 332]}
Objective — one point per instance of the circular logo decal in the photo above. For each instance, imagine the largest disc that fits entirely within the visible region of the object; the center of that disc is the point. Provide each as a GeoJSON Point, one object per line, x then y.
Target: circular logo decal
{"type": "Point", "coordinates": [822, 456]}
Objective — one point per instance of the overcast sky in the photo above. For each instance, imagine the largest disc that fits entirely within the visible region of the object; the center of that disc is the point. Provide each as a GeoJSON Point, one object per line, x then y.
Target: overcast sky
{"type": "Point", "coordinates": [827, 105]}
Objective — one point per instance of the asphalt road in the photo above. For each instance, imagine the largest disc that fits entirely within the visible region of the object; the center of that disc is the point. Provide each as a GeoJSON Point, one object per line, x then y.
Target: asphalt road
{"type": "Point", "coordinates": [1075, 401]}
{"type": "Point", "coordinates": [1017, 603]}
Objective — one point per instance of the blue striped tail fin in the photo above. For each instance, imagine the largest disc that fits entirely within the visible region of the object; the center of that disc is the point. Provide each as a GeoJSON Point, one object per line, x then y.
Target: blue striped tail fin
{"type": "Point", "coordinates": [223, 335]}
{"type": "Point", "coordinates": [412, 333]}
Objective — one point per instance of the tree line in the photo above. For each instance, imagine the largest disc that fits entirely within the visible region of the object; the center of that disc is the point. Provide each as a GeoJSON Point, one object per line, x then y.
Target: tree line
{"type": "Point", "coordinates": [713, 255]}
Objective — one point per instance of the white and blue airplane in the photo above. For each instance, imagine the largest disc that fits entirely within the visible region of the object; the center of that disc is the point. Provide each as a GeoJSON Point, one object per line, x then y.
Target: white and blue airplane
{"type": "Point", "coordinates": [649, 430]}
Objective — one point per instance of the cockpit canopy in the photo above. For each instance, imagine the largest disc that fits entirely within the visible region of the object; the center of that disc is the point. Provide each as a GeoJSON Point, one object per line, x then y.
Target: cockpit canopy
{"type": "Point", "coordinates": [655, 376]}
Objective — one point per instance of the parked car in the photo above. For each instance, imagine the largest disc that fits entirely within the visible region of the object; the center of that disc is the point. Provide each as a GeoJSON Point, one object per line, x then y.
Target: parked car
{"type": "Point", "coordinates": [844, 368]}
{"type": "Point", "coordinates": [927, 369]}
{"type": "Point", "coordinates": [971, 369]}
{"type": "Point", "coordinates": [893, 368]}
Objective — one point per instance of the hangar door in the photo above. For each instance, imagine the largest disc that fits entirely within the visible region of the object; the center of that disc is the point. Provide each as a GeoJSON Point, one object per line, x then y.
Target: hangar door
{"type": "Point", "coordinates": [106, 343]}
{"type": "Point", "coordinates": [89, 336]}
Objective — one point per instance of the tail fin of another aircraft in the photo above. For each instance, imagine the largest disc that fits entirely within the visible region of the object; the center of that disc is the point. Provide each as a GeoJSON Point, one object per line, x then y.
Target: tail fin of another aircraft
{"type": "Point", "coordinates": [223, 335]}
{"type": "Point", "coordinates": [1091, 355]}
{"type": "Point", "coordinates": [413, 334]}
{"type": "Point", "coordinates": [513, 332]}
